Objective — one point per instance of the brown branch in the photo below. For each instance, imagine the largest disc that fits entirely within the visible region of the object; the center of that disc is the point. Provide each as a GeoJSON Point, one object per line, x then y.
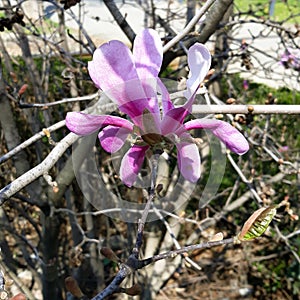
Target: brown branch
{"type": "Point", "coordinates": [212, 21]}
{"type": "Point", "coordinates": [121, 21]}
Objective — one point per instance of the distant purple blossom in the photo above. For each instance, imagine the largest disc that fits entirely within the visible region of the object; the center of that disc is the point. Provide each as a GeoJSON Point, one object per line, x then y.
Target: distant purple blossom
{"type": "Point", "coordinates": [131, 80]}
{"type": "Point", "coordinates": [245, 84]}
{"type": "Point", "coordinates": [291, 59]}
{"type": "Point", "coordinates": [283, 149]}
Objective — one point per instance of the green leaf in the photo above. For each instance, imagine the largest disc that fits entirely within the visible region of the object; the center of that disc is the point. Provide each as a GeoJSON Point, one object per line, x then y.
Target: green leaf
{"type": "Point", "coordinates": [257, 224]}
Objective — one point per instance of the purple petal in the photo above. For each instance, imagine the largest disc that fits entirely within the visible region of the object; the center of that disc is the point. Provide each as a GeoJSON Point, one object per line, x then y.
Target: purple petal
{"type": "Point", "coordinates": [112, 64]}
{"type": "Point", "coordinates": [199, 60]}
{"type": "Point", "coordinates": [171, 122]}
{"type": "Point", "coordinates": [174, 118]}
{"type": "Point", "coordinates": [113, 70]}
{"type": "Point", "coordinates": [84, 124]}
{"type": "Point", "coordinates": [167, 104]}
{"type": "Point", "coordinates": [132, 163]}
{"type": "Point", "coordinates": [148, 53]}
{"type": "Point", "coordinates": [113, 138]}
{"type": "Point", "coordinates": [135, 109]}
{"type": "Point", "coordinates": [229, 135]}
{"type": "Point", "coordinates": [188, 159]}
{"type": "Point", "coordinates": [178, 115]}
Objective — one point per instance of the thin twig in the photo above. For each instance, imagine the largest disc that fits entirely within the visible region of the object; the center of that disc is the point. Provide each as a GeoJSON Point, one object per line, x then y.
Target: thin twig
{"type": "Point", "coordinates": [17, 281]}
{"type": "Point", "coordinates": [177, 245]}
{"type": "Point", "coordinates": [279, 160]}
{"type": "Point", "coordinates": [127, 270]}
{"type": "Point", "coordinates": [65, 100]}
{"type": "Point", "coordinates": [239, 202]}
{"type": "Point", "coordinates": [189, 26]}
{"type": "Point", "coordinates": [293, 234]}
{"type": "Point", "coordinates": [119, 18]}
{"type": "Point", "coordinates": [34, 173]}
{"type": "Point", "coordinates": [286, 241]}
{"type": "Point", "coordinates": [247, 109]}
{"type": "Point", "coordinates": [31, 140]}
{"type": "Point", "coordinates": [173, 253]}
{"type": "Point", "coordinates": [132, 262]}
{"type": "Point", "coordinates": [143, 219]}
{"type": "Point", "coordinates": [203, 109]}
{"type": "Point", "coordinates": [244, 179]}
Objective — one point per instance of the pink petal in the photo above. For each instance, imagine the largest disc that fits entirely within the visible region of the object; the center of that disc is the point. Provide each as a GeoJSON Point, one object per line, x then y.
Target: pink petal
{"type": "Point", "coordinates": [113, 70]}
{"type": "Point", "coordinates": [199, 61]}
{"type": "Point", "coordinates": [113, 138]}
{"type": "Point", "coordinates": [172, 122]}
{"type": "Point", "coordinates": [84, 124]}
{"type": "Point", "coordinates": [135, 109]}
{"type": "Point", "coordinates": [188, 159]}
{"type": "Point", "coordinates": [167, 104]}
{"type": "Point", "coordinates": [133, 98]}
{"type": "Point", "coordinates": [148, 53]}
{"type": "Point", "coordinates": [132, 163]}
{"type": "Point", "coordinates": [112, 64]}
{"type": "Point", "coordinates": [229, 135]}
{"type": "Point", "coordinates": [177, 114]}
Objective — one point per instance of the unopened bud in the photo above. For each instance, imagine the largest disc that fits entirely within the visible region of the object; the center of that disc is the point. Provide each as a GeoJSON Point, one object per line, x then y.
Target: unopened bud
{"type": "Point", "coordinates": [219, 116]}
{"type": "Point", "coordinates": [134, 290]}
{"type": "Point", "coordinates": [14, 76]}
{"type": "Point", "coordinates": [19, 296]}
{"type": "Point", "coordinates": [280, 161]}
{"type": "Point", "coordinates": [217, 237]}
{"type": "Point", "coordinates": [8, 282]}
{"type": "Point", "coordinates": [22, 90]}
{"type": "Point", "coordinates": [110, 254]}
{"type": "Point", "coordinates": [230, 101]}
{"type": "Point", "coordinates": [72, 286]}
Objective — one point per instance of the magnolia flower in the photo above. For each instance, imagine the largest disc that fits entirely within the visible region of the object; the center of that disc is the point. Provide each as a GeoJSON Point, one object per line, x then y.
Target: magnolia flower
{"type": "Point", "coordinates": [131, 81]}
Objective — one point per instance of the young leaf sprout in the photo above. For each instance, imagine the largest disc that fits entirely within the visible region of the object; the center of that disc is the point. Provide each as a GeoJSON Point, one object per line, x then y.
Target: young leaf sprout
{"type": "Point", "coordinates": [257, 224]}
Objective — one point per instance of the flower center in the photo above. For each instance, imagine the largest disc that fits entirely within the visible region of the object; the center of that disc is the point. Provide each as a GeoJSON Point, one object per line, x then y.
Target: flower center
{"type": "Point", "coordinates": [152, 139]}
